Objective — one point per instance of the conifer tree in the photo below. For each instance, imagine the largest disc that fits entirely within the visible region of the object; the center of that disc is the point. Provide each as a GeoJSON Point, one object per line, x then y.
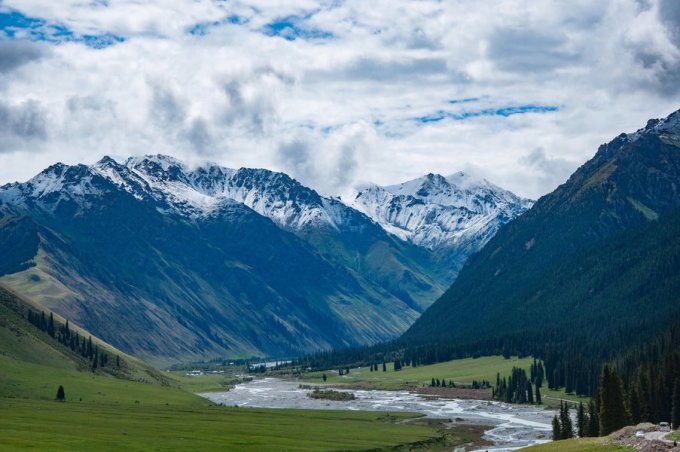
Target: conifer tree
{"type": "Point", "coordinates": [61, 395]}
{"type": "Point", "coordinates": [675, 412]}
{"type": "Point", "coordinates": [613, 414]}
{"type": "Point", "coordinates": [530, 393]}
{"type": "Point", "coordinates": [593, 418]}
{"type": "Point", "coordinates": [556, 432]}
{"type": "Point", "coordinates": [50, 325]}
{"type": "Point", "coordinates": [582, 421]}
{"type": "Point", "coordinates": [539, 401]}
{"type": "Point", "coordinates": [566, 426]}
{"type": "Point", "coordinates": [384, 366]}
{"type": "Point", "coordinates": [634, 404]}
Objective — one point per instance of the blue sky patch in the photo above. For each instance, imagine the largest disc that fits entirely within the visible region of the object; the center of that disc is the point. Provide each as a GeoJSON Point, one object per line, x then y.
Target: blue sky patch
{"type": "Point", "coordinates": [292, 28]}
{"type": "Point", "coordinates": [464, 101]}
{"type": "Point", "coordinates": [502, 112]}
{"type": "Point", "coordinates": [203, 28]}
{"type": "Point", "coordinates": [16, 25]}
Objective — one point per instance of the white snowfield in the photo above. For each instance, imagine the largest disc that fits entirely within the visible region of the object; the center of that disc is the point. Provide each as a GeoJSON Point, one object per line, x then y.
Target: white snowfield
{"type": "Point", "coordinates": [431, 211]}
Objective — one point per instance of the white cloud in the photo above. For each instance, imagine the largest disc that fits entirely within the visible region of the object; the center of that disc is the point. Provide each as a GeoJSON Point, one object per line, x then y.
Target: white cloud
{"type": "Point", "coordinates": [334, 98]}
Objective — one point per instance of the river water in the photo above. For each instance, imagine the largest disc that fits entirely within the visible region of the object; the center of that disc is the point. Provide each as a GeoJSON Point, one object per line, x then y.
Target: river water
{"type": "Point", "coordinates": [510, 426]}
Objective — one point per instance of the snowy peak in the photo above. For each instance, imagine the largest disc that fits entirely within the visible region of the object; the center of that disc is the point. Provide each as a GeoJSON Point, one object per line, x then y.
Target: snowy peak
{"type": "Point", "coordinates": [438, 212]}
{"type": "Point", "coordinates": [178, 188]}
{"type": "Point", "coordinates": [666, 126]}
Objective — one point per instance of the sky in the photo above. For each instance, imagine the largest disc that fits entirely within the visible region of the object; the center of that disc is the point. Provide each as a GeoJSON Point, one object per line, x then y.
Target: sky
{"type": "Point", "coordinates": [335, 93]}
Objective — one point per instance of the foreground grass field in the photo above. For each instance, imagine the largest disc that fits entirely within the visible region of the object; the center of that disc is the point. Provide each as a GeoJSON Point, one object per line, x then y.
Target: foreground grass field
{"type": "Point", "coordinates": [137, 407]}
{"type": "Point", "coordinates": [87, 426]}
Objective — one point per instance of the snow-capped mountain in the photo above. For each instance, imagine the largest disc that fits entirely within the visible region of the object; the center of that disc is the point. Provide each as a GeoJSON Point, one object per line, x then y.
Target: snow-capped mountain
{"type": "Point", "coordinates": [176, 187]}
{"type": "Point", "coordinates": [432, 211]}
{"type": "Point", "coordinates": [435, 212]}
{"type": "Point", "coordinates": [167, 259]}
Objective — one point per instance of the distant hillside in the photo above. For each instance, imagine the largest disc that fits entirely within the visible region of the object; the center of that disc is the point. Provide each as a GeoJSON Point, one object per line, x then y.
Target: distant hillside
{"type": "Point", "coordinates": [28, 351]}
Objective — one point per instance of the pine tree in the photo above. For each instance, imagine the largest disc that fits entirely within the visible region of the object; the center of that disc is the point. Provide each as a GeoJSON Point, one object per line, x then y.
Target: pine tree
{"type": "Point", "coordinates": [530, 393]}
{"type": "Point", "coordinates": [539, 401]}
{"type": "Point", "coordinates": [324, 377]}
{"type": "Point", "coordinates": [613, 413]}
{"type": "Point", "coordinates": [384, 367]}
{"type": "Point", "coordinates": [634, 404]}
{"type": "Point", "coordinates": [593, 417]}
{"type": "Point", "coordinates": [582, 421]}
{"type": "Point", "coordinates": [433, 384]}
{"type": "Point", "coordinates": [50, 325]}
{"type": "Point", "coordinates": [556, 432]}
{"type": "Point", "coordinates": [61, 395]}
{"type": "Point", "coordinates": [675, 412]}
{"type": "Point", "coordinates": [566, 427]}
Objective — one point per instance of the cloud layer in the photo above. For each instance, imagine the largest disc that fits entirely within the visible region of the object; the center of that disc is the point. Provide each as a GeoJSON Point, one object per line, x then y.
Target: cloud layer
{"type": "Point", "coordinates": [335, 93]}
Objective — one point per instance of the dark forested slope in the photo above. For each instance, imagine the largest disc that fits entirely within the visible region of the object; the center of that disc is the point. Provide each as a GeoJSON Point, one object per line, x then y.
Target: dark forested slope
{"type": "Point", "coordinates": [553, 268]}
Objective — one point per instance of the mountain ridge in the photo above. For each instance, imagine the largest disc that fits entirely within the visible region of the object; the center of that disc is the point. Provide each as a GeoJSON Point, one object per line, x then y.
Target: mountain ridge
{"type": "Point", "coordinates": [630, 181]}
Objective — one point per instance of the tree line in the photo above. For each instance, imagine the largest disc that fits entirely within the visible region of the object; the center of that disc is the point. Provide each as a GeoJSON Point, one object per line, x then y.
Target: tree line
{"type": "Point", "coordinates": [62, 333]}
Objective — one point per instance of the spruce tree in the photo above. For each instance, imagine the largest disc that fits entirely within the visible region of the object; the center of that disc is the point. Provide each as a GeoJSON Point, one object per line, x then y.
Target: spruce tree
{"type": "Point", "coordinates": [675, 411]}
{"type": "Point", "coordinates": [634, 404]}
{"type": "Point", "coordinates": [556, 432]}
{"type": "Point", "coordinates": [593, 418]}
{"type": "Point", "coordinates": [582, 421]}
{"type": "Point", "coordinates": [61, 395]}
{"type": "Point", "coordinates": [530, 393]}
{"type": "Point", "coordinates": [539, 401]}
{"type": "Point", "coordinates": [384, 367]}
{"type": "Point", "coordinates": [566, 426]}
{"type": "Point", "coordinates": [613, 413]}
{"type": "Point", "coordinates": [50, 325]}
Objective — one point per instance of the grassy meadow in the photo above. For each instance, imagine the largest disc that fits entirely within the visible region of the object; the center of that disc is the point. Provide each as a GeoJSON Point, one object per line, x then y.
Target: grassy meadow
{"type": "Point", "coordinates": [137, 407]}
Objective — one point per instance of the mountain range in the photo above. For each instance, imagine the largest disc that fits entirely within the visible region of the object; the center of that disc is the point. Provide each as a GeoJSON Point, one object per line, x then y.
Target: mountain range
{"type": "Point", "coordinates": [170, 262]}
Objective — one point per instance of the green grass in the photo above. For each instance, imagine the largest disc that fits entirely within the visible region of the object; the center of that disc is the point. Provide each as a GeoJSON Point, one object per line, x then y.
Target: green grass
{"type": "Point", "coordinates": [462, 371]}
{"type": "Point", "coordinates": [578, 445]}
{"type": "Point", "coordinates": [153, 410]}
{"type": "Point", "coordinates": [49, 425]}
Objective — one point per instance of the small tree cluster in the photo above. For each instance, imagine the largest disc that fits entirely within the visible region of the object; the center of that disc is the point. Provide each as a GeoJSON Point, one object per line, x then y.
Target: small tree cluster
{"type": "Point", "coordinates": [63, 334]}
{"type": "Point", "coordinates": [563, 428]}
{"type": "Point", "coordinates": [437, 383]}
{"type": "Point", "coordinates": [516, 389]}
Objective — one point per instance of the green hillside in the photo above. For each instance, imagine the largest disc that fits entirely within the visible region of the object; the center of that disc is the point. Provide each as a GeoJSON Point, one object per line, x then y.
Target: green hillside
{"type": "Point", "coordinates": [592, 267]}
{"type": "Point", "coordinates": [136, 407]}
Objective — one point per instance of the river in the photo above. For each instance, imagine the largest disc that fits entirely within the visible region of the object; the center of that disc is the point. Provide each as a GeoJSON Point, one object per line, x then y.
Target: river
{"type": "Point", "coordinates": [510, 426]}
